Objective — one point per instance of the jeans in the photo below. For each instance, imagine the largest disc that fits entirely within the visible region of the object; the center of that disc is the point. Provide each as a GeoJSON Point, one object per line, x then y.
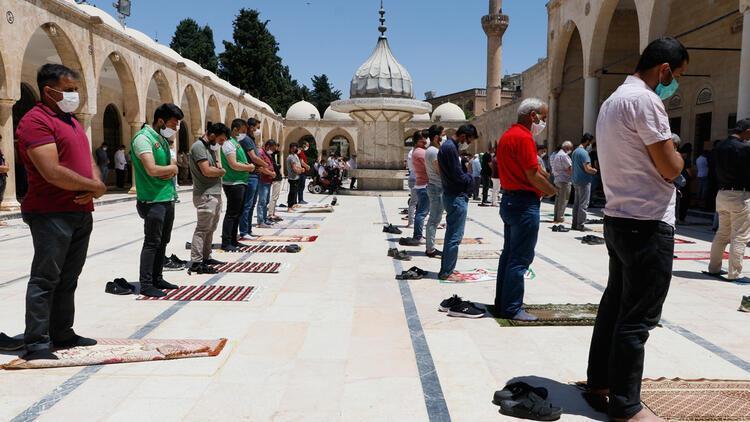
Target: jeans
{"type": "Point", "coordinates": [581, 204]}
{"type": "Point", "coordinates": [291, 199]}
{"type": "Point", "coordinates": [301, 188]}
{"type": "Point", "coordinates": [423, 208]}
{"type": "Point", "coordinates": [235, 199]}
{"type": "Point", "coordinates": [412, 201]}
{"type": "Point", "coordinates": [520, 214]}
{"type": "Point", "coordinates": [733, 208]}
{"type": "Point", "coordinates": [275, 192]}
{"type": "Point", "coordinates": [209, 210]}
{"type": "Point", "coordinates": [264, 192]}
{"type": "Point", "coordinates": [475, 186]}
{"type": "Point", "coordinates": [561, 200]}
{"type": "Point", "coordinates": [105, 172]}
{"type": "Point", "coordinates": [640, 270]}
{"type": "Point", "coordinates": [61, 242]}
{"type": "Point", "coordinates": [435, 195]}
{"type": "Point", "coordinates": [158, 218]}
{"type": "Point", "coordinates": [251, 196]}
{"type": "Point", "coordinates": [456, 207]}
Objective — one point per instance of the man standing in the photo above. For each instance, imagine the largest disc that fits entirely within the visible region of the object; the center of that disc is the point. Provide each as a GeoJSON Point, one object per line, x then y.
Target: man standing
{"type": "Point", "coordinates": [541, 154]}
{"type": "Point", "coordinates": [251, 193]}
{"type": "Point", "coordinates": [275, 186]}
{"type": "Point", "coordinates": [207, 174]}
{"type": "Point", "coordinates": [733, 200]}
{"type": "Point", "coordinates": [234, 162]}
{"type": "Point", "coordinates": [102, 161]}
{"type": "Point", "coordinates": [583, 173]}
{"type": "Point", "coordinates": [266, 179]}
{"type": "Point", "coordinates": [154, 170]}
{"type": "Point", "coordinates": [418, 164]}
{"type": "Point", "coordinates": [434, 189]}
{"type": "Point", "coordinates": [411, 181]}
{"type": "Point", "coordinates": [352, 163]}
{"type": "Point", "coordinates": [475, 168]}
{"type": "Point", "coordinates": [701, 166]}
{"type": "Point", "coordinates": [562, 170]}
{"type": "Point", "coordinates": [120, 166]}
{"type": "Point", "coordinates": [524, 184]}
{"type": "Point", "coordinates": [4, 169]}
{"type": "Point", "coordinates": [486, 176]}
{"type": "Point", "coordinates": [301, 153]}
{"type": "Point", "coordinates": [457, 186]}
{"type": "Point", "coordinates": [293, 169]}
{"type": "Point", "coordinates": [63, 181]}
{"type": "Point", "coordinates": [639, 162]}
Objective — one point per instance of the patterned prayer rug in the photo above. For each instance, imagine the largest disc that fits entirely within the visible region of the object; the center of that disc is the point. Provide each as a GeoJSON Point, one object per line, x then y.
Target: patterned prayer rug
{"type": "Point", "coordinates": [478, 254]}
{"type": "Point", "coordinates": [294, 227]}
{"type": "Point", "coordinates": [311, 208]}
{"type": "Point", "coordinates": [678, 241]}
{"type": "Point", "coordinates": [473, 276]}
{"type": "Point", "coordinates": [260, 249]}
{"type": "Point", "coordinates": [697, 255]}
{"type": "Point", "coordinates": [554, 314]}
{"type": "Point", "coordinates": [466, 241]}
{"type": "Point", "coordinates": [697, 400]}
{"type": "Point", "coordinates": [207, 294]}
{"type": "Point", "coordinates": [248, 267]}
{"type": "Point", "coordinates": [109, 351]}
{"type": "Point", "coordinates": [284, 239]}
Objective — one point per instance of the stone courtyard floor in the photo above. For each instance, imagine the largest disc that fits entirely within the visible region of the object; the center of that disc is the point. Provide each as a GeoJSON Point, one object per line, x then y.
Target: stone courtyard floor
{"type": "Point", "coordinates": [334, 337]}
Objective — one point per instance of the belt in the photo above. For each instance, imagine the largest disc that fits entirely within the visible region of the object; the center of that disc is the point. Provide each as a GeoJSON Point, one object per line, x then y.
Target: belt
{"type": "Point", "coordinates": [734, 189]}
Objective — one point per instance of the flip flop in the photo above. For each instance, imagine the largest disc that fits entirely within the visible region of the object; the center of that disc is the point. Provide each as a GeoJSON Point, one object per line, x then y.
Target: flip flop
{"type": "Point", "coordinates": [419, 271]}
{"type": "Point", "coordinates": [409, 275]}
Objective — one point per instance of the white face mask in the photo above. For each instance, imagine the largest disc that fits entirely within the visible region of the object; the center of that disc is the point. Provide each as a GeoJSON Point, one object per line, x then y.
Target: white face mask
{"type": "Point", "coordinates": [537, 128]}
{"type": "Point", "coordinates": [168, 132]}
{"type": "Point", "coordinates": [305, 148]}
{"type": "Point", "coordinates": [256, 134]}
{"type": "Point", "coordinates": [463, 147]}
{"type": "Point", "coordinates": [69, 102]}
{"type": "Point", "coordinates": [215, 147]}
{"type": "Point", "coordinates": [241, 136]}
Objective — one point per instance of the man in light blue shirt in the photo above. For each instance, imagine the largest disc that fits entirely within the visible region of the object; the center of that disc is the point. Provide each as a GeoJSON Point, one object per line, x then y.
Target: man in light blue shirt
{"type": "Point", "coordinates": [583, 174]}
{"type": "Point", "coordinates": [476, 174]}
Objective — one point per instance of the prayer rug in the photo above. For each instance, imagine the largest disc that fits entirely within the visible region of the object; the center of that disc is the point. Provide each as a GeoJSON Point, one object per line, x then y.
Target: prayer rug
{"type": "Point", "coordinates": [259, 249]}
{"type": "Point", "coordinates": [478, 254]}
{"type": "Point", "coordinates": [248, 267]}
{"type": "Point", "coordinates": [473, 276]}
{"type": "Point", "coordinates": [697, 255]}
{"type": "Point", "coordinates": [678, 241]}
{"type": "Point", "coordinates": [697, 400]}
{"type": "Point", "coordinates": [283, 239]}
{"type": "Point", "coordinates": [295, 226]}
{"type": "Point", "coordinates": [466, 241]}
{"type": "Point", "coordinates": [554, 314]}
{"type": "Point", "coordinates": [109, 351]}
{"type": "Point", "coordinates": [204, 293]}
{"type": "Point", "coordinates": [311, 208]}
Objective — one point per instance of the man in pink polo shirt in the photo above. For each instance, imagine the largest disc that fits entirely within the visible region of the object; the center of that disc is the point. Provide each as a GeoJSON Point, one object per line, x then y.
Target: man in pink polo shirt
{"type": "Point", "coordinates": [420, 187]}
{"type": "Point", "coordinates": [63, 182]}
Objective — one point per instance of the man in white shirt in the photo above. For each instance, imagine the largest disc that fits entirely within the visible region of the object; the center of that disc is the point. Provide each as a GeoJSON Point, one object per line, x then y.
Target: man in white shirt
{"type": "Point", "coordinates": [701, 165]}
{"type": "Point", "coordinates": [352, 163]}
{"type": "Point", "coordinates": [562, 170]}
{"type": "Point", "coordinates": [639, 162]}
{"type": "Point", "coordinates": [120, 165]}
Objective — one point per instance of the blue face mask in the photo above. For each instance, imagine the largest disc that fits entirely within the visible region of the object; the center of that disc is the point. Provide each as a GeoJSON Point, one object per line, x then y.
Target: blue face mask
{"type": "Point", "coordinates": [666, 91]}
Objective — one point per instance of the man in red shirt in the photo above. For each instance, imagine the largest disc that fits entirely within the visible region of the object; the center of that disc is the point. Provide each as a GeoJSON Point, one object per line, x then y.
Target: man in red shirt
{"type": "Point", "coordinates": [63, 182]}
{"type": "Point", "coordinates": [523, 186]}
{"type": "Point", "coordinates": [304, 146]}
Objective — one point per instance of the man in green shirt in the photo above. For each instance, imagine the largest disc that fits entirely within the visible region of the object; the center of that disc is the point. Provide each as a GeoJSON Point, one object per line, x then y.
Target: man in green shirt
{"type": "Point", "coordinates": [234, 161]}
{"type": "Point", "coordinates": [205, 166]}
{"type": "Point", "coordinates": [154, 169]}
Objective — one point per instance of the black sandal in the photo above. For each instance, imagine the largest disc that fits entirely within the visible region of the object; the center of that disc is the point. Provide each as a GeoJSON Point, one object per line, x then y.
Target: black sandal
{"type": "Point", "coordinates": [409, 275]}
{"type": "Point", "coordinates": [532, 407]}
{"type": "Point", "coordinates": [517, 389]}
{"type": "Point", "coordinates": [419, 271]}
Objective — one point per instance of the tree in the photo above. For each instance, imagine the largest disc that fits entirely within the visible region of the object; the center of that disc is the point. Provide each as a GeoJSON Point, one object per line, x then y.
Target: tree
{"type": "Point", "coordinates": [195, 43]}
{"type": "Point", "coordinates": [323, 93]}
{"type": "Point", "coordinates": [251, 62]}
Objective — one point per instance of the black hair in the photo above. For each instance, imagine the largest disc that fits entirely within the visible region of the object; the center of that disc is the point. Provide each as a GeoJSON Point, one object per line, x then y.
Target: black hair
{"type": "Point", "coordinates": [434, 131]}
{"type": "Point", "coordinates": [469, 130]}
{"type": "Point", "coordinates": [426, 133]}
{"type": "Point", "coordinates": [252, 122]}
{"type": "Point", "coordinates": [50, 74]}
{"type": "Point", "coordinates": [293, 145]}
{"type": "Point", "coordinates": [540, 147]}
{"type": "Point", "coordinates": [740, 126]}
{"type": "Point", "coordinates": [167, 112]}
{"type": "Point", "coordinates": [663, 50]}
{"type": "Point", "coordinates": [238, 124]}
{"type": "Point", "coordinates": [417, 136]}
{"type": "Point", "coordinates": [271, 142]}
{"type": "Point", "coordinates": [219, 129]}
{"type": "Point", "coordinates": [587, 137]}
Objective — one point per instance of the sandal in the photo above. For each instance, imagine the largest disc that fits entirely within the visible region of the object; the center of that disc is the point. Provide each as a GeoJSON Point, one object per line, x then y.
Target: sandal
{"type": "Point", "coordinates": [419, 271]}
{"type": "Point", "coordinates": [530, 406]}
{"type": "Point", "coordinates": [517, 389]}
{"type": "Point", "coordinates": [293, 248]}
{"type": "Point", "coordinates": [409, 275]}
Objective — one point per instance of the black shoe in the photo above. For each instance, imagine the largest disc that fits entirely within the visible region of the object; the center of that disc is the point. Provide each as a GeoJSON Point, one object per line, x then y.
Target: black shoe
{"type": "Point", "coordinates": [10, 344]}
{"type": "Point", "coordinates": [211, 261]}
{"type": "Point", "coordinates": [239, 245]}
{"type": "Point", "coordinates": [515, 390]}
{"type": "Point", "coordinates": [445, 305]}
{"type": "Point", "coordinates": [391, 229]}
{"type": "Point", "coordinates": [408, 241]}
{"type": "Point", "coordinates": [293, 248]}
{"type": "Point", "coordinates": [530, 406]}
{"type": "Point", "coordinates": [434, 254]}
{"type": "Point", "coordinates": [170, 265]}
{"type": "Point", "coordinates": [45, 354]}
{"type": "Point", "coordinates": [123, 284]}
{"type": "Point", "coordinates": [76, 341]}
{"type": "Point", "coordinates": [149, 290]}
{"type": "Point", "coordinates": [229, 248]}
{"type": "Point", "coordinates": [174, 258]}
{"type": "Point", "coordinates": [165, 285]}
{"type": "Point", "coordinates": [115, 289]}
{"type": "Point", "coordinates": [465, 309]}
{"type": "Point", "coordinates": [201, 268]}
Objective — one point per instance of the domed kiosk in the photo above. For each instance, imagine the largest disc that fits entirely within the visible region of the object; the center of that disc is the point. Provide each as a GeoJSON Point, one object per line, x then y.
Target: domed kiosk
{"type": "Point", "coordinates": [381, 102]}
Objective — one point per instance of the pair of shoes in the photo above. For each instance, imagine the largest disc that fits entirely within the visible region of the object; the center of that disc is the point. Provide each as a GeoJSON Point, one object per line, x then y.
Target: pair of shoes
{"type": "Point", "coordinates": [10, 344]}
{"type": "Point", "coordinates": [292, 248]}
{"type": "Point", "coordinates": [434, 253]}
{"type": "Point", "coordinates": [249, 236]}
{"type": "Point", "coordinates": [119, 287]}
{"type": "Point", "coordinates": [560, 228]}
{"type": "Point", "coordinates": [457, 307]}
{"type": "Point", "coordinates": [397, 254]}
{"type": "Point", "coordinates": [526, 402]}
{"type": "Point", "coordinates": [75, 341]}
{"type": "Point", "coordinates": [201, 268]}
{"type": "Point", "coordinates": [413, 273]}
{"type": "Point", "coordinates": [148, 290]}
{"type": "Point", "coordinates": [592, 240]}
{"type": "Point", "coordinates": [515, 390]}
{"type": "Point", "coordinates": [334, 201]}
{"type": "Point", "coordinates": [173, 263]}
{"type": "Point", "coordinates": [408, 241]}
{"type": "Point", "coordinates": [165, 285]}
{"type": "Point", "coordinates": [211, 261]}
{"type": "Point", "coordinates": [391, 229]}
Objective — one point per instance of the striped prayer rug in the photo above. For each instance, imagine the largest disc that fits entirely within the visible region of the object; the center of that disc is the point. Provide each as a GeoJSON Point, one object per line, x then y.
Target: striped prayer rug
{"type": "Point", "coordinates": [248, 267]}
{"type": "Point", "coordinates": [212, 293]}
{"type": "Point", "coordinates": [697, 255]}
{"type": "Point", "coordinates": [261, 249]}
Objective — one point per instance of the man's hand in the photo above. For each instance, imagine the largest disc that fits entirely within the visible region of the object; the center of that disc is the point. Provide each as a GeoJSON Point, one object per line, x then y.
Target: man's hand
{"type": "Point", "coordinates": [83, 198]}
{"type": "Point", "coordinates": [100, 190]}
{"type": "Point", "coordinates": [4, 168]}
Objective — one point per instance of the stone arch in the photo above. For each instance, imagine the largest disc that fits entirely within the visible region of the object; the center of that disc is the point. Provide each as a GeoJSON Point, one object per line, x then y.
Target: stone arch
{"type": "Point", "coordinates": [265, 130]}
{"type": "Point", "coordinates": [157, 93]}
{"type": "Point", "coordinates": [295, 135]}
{"type": "Point", "coordinates": [559, 53]}
{"type": "Point", "coordinates": [245, 115]}
{"type": "Point", "coordinates": [340, 132]}
{"type": "Point", "coordinates": [213, 111]}
{"type": "Point", "coordinates": [130, 101]}
{"type": "Point", "coordinates": [191, 107]}
{"type": "Point", "coordinates": [569, 112]}
{"type": "Point", "coordinates": [229, 114]}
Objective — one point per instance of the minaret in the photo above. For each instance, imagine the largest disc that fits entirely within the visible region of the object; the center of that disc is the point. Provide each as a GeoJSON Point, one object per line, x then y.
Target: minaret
{"type": "Point", "coordinates": [494, 25]}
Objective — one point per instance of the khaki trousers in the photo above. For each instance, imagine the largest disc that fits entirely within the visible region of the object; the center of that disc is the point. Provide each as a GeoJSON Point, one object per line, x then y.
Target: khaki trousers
{"type": "Point", "coordinates": [275, 192]}
{"type": "Point", "coordinates": [733, 208]}
{"type": "Point", "coordinates": [209, 211]}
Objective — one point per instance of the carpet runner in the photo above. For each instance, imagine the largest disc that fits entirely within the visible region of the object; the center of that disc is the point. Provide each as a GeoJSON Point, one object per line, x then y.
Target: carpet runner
{"type": "Point", "coordinates": [554, 315]}
{"type": "Point", "coordinates": [259, 249]}
{"type": "Point", "coordinates": [466, 241]}
{"type": "Point", "coordinates": [697, 400]}
{"type": "Point", "coordinates": [109, 351]}
{"type": "Point", "coordinates": [478, 254]}
{"type": "Point", "coordinates": [697, 255]}
{"type": "Point", "coordinates": [248, 267]}
{"type": "Point", "coordinates": [678, 241]}
{"type": "Point", "coordinates": [294, 227]}
{"type": "Point", "coordinates": [205, 293]}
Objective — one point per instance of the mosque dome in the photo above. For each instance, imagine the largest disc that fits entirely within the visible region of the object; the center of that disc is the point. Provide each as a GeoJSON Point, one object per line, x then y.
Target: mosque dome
{"type": "Point", "coordinates": [334, 115]}
{"type": "Point", "coordinates": [448, 112]}
{"type": "Point", "coordinates": [302, 110]}
{"type": "Point", "coordinates": [381, 75]}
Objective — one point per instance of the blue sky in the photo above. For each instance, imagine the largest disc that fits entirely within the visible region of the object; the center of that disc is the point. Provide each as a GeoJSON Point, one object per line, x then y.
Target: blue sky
{"type": "Point", "coordinates": [440, 42]}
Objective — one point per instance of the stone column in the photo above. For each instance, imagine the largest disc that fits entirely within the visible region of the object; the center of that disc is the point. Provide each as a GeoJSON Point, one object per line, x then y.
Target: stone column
{"type": "Point", "coordinates": [743, 93]}
{"type": "Point", "coordinates": [85, 120]}
{"type": "Point", "coordinates": [552, 140]}
{"type": "Point", "coordinates": [590, 103]}
{"type": "Point", "coordinates": [8, 148]}
{"type": "Point", "coordinates": [494, 25]}
{"type": "Point", "coordinates": [134, 128]}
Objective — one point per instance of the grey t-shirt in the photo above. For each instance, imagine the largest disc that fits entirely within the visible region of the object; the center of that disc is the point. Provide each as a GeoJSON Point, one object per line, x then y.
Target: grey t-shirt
{"type": "Point", "coordinates": [201, 184]}
{"type": "Point", "coordinates": [290, 173]}
{"type": "Point", "coordinates": [430, 157]}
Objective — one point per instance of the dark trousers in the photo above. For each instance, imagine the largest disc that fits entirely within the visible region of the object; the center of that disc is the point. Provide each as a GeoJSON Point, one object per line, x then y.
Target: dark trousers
{"type": "Point", "coordinates": [683, 202]}
{"type": "Point", "coordinates": [301, 188]}
{"type": "Point", "coordinates": [520, 214]}
{"type": "Point", "coordinates": [353, 182]}
{"type": "Point", "coordinates": [158, 218]}
{"type": "Point", "coordinates": [640, 270]}
{"type": "Point", "coordinates": [291, 199]}
{"type": "Point", "coordinates": [486, 185]}
{"type": "Point", "coordinates": [475, 186]}
{"type": "Point", "coordinates": [3, 182]}
{"type": "Point", "coordinates": [235, 202]}
{"type": "Point", "coordinates": [120, 178]}
{"type": "Point", "coordinates": [61, 241]}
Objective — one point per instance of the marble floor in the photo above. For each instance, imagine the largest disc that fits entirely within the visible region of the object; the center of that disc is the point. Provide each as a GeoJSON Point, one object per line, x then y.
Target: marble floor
{"type": "Point", "coordinates": [333, 337]}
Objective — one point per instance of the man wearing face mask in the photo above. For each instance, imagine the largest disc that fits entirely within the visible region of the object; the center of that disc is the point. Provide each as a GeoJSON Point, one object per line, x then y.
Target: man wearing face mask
{"type": "Point", "coordinates": [304, 147]}
{"type": "Point", "coordinates": [457, 186]}
{"type": "Point", "coordinates": [234, 161]}
{"type": "Point", "coordinates": [562, 169]}
{"type": "Point", "coordinates": [102, 160]}
{"type": "Point", "coordinates": [524, 185]}
{"type": "Point", "coordinates": [251, 193]}
{"type": "Point", "coordinates": [639, 162]}
{"type": "Point", "coordinates": [154, 170]}
{"type": "Point", "coordinates": [207, 173]}
{"type": "Point", "coordinates": [264, 188]}
{"type": "Point", "coordinates": [63, 181]}
{"type": "Point", "coordinates": [583, 173]}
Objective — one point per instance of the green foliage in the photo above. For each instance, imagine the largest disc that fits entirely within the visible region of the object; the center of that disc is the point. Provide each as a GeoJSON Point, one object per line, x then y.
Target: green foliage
{"type": "Point", "coordinates": [323, 93]}
{"type": "Point", "coordinates": [195, 43]}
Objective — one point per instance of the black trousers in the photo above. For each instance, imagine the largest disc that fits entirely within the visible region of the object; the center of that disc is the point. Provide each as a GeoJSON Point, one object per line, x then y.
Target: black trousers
{"type": "Point", "coordinates": [61, 241]}
{"type": "Point", "coordinates": [235, 202]}
{"type": "Point", "coordinates": [301, 188]}
{"type": "Point", "coordinates": [353, 182]}
{"type": "Point", "coordinates": [158, 218]}
{"type": "Point", "coordinates": [640, 270]}
{"type": "Point", "coordinates": [3, 182]}
{"type": "Point", "coordinates": [120, 178]}
{"type": "Point", "coordinates": [291, 199]}
{"type": "Point", "coordinates": [486, 185]}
